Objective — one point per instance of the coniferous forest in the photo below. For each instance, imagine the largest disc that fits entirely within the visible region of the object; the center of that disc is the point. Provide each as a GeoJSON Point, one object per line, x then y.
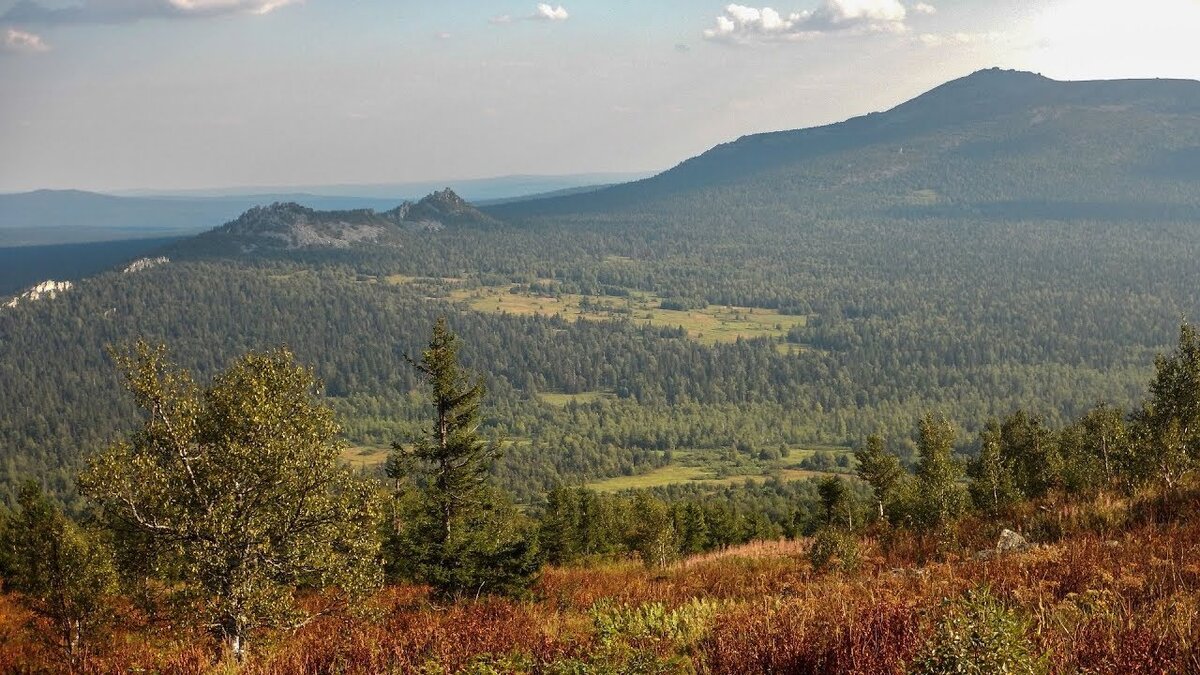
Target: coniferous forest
{"type": "Point", "coordinates": [805, 403]}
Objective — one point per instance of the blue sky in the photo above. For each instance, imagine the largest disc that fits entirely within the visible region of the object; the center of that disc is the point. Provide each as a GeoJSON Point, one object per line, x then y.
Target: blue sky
{"type": "Point", "coordinates": [172, 94]}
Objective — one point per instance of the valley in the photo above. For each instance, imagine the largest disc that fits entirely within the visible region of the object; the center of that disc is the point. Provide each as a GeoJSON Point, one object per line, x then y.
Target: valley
{"type": "Point", "coordinates": [848, 388]}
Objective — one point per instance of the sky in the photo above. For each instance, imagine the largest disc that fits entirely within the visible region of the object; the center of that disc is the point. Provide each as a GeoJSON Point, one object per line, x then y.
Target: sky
{"type": "Point", "coordinates": [188, 94]}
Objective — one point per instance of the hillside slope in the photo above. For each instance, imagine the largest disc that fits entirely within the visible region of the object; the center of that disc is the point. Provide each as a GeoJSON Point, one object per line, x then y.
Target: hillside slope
{"type": "Point", "coordinates": [1001, 142]}
{"type": "Point", "coordinates": [953, 254]}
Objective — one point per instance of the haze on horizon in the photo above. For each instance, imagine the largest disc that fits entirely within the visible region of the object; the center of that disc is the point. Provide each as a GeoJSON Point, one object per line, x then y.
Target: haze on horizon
{"type": "Point", "coordinates": [182, 94]}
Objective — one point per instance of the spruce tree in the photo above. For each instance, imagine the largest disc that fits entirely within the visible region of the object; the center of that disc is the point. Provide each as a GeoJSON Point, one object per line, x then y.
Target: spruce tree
{"type": "Point", "coordinates": [837, 503]}
{"type": "Point", "coordinates": [463, 538]}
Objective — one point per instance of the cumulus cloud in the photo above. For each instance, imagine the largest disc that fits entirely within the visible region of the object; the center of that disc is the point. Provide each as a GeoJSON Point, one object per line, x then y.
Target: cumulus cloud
{"type": "Point", "coordinates": [545, 12]}
{"type": "Point", "coordinates": [21, 42]}
{"type": "Point", "coordinates": [942, 40]}
{"type": "Point", "coordinates": [934, 40]}
{"type": "Point", "coordinates": [740, 23]}
{"type": "Point", "coordinates": [123, 11]}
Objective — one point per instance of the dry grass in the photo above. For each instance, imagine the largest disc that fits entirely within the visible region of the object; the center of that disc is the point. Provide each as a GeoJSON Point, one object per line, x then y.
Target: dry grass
{"type": "Point", "coordinates": [1118, 593]}
{"type": "Point", "coordinates": [711, 325]}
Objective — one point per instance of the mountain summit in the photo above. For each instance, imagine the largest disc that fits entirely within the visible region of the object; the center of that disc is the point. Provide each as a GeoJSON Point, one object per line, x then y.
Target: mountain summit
{"type": "Point", "coordinates": [443, 208]}
{"type": "Point", "coordinates": [287, 225]}
{"type": "Point", "coordinates": [993, 137]}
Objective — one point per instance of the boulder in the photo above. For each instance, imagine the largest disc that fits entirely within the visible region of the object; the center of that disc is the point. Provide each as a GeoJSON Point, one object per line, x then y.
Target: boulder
{"type": "Point", "coordinates": [1011, 541]}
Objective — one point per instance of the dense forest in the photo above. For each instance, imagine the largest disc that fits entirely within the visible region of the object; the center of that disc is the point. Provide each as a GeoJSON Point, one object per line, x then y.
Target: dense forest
{"type": "Point", "coordinates": [1053, 316]}
{"type": "Point", "coordinates": [769, 411]}
{"type": "Point", "coordinates": [228, 515]}
{"type": "Point", "coordinates": [1002, 242]}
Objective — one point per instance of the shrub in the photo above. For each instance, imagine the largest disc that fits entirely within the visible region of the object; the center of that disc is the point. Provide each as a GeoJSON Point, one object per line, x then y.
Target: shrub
{"type": "Point", "coordinates": [834, 549]}
{"type": "Point", "coordinates": [979, 635]}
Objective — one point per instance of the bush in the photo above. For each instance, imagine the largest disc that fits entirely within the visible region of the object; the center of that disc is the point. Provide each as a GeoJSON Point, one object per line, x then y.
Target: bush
{"type": "Point", "coordinates": [979, 635]}
{"type": "Point", "coordinates": [834, 549]}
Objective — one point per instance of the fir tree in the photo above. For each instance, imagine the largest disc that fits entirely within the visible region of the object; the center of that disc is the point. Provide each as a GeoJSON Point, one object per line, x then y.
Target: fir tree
{"type": "Point", "coordinates": [463, 537]}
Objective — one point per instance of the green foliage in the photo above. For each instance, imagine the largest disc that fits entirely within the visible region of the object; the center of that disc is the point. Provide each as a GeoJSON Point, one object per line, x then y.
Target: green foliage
{"type": "Point", "coordinates": [234, 492]}
{"type": "Point", "coordinates": [462, 537]}
{"type": "Point", "coordinates": [938, 474]}
{"type": "Point", "coordinates": [650, 638]}
{"type": "Point", "coordinates": [62, 572]}
{"type": "Point", "coordinates": [491, 549]}
{"type": "Point", "coordinates": [577, 523]}
{"type": "Point", "coordinates": [1031, 449]}
{"type": "Point", "coordinates": [691, 528]}
{"type": "Point", "coordinates": [1094, 449]}
{"type": "Point", "coordinates": [1167, 427]}
{"type": "Point", "coordinates": [837, 503]}
{"type": "Point", "coordinates": [653, 532]}
{"type": "Point", "coordinates": [834, 549]}
{"type": "Point", "coordinates": [978, 635]}
{"type": "Point", "coordinates": [993, 486]}
{"type": "Point", "coordinates": [881, 470]}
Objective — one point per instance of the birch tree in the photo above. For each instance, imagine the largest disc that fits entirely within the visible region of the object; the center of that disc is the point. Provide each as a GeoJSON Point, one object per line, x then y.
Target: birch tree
{"type": "Point", "coordinates": [234, 492]}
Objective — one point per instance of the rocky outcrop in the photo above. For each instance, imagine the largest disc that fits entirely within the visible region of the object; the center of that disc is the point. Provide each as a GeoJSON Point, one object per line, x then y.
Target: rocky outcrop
{"type": "Point", "coordinates": [143, 264]}
{"type": "Point", "coordinates": [47, 290]}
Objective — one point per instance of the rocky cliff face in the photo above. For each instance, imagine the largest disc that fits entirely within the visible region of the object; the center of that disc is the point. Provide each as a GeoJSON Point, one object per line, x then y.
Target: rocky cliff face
{"type": "Point", "coordinates": [47, 290]}
{"type": "Point", "coordinates": [288, 226]}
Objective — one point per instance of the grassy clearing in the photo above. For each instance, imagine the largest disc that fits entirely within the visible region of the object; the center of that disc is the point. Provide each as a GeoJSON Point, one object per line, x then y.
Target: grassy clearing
{"type": "Point", "coordinates": [561, 400]}
{"type": "Point", "coordinates": [668, 475]}
{"type": "Point", "coordinates": [404, 279]}
{"type": "Point", "coordinates": [364, 457]}
{"type": "Point", "coordinates": [711, 325]}
{"type": "Point", "coordinates": [708, 468]}
{"type": "Point", "coordinates": [679, 473]}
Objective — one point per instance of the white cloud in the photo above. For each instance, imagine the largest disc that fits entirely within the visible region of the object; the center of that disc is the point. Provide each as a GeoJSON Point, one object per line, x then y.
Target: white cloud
{"type": "Point", "coordinates": [22, 42]}
{"type": "Point", "coordinates": [1080, 39]}
{"type": "Point", "coordinates": [545, 12]}
{"type": "Point", "coordinates": [124, 11]}
{"type": "Point", "coordinates": [223, 6]}
{"type": "Point", "coordinates": [951, 39]}
{"type": "Point", "coordinates": [739, 23]}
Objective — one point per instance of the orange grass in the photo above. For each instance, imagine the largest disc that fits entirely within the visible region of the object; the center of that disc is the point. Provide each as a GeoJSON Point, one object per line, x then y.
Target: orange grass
{"type": "Point", "coordinates": [1103, 599]}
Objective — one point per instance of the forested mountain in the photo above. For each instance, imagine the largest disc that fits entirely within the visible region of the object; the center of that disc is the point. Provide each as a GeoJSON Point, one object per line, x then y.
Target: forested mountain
{"type": "Point", "coordinates": [23, 266]}
{"type": "Point", "coordinates": [1004, 241]}
{"type": "Point", "coordinates": [997, 143]}
{"type": "Point", "coordinates": [53, 217]}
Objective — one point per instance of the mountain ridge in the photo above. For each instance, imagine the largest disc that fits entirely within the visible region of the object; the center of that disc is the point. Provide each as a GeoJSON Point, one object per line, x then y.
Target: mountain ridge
{"type": "Point", "coordinates": [290, 226]}
{"type": "Point", "coordinates": [1002, 107]}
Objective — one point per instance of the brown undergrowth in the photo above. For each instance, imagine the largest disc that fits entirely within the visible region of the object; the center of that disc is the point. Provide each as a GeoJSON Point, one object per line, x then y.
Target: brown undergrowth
{"type": "Point", "coordinates": [1113, 587]}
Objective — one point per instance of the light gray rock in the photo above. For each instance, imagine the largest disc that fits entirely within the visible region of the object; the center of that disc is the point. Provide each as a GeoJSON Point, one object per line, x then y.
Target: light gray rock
{"type": "Point", "coordinates": [1011, 541]}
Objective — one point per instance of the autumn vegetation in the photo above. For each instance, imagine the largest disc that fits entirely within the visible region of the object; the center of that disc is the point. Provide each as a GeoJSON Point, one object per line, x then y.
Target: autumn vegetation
{"type": "Point", "coordinates": [224, 537]}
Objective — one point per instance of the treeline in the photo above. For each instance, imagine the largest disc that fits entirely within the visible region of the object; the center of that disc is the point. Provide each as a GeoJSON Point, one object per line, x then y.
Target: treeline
{"type": "Point", "coordinates": [973, 315]}
{"type": "Point", "coordinates": [230, 499]}
{"type": "Point", "coordinates": [1015, 460]}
